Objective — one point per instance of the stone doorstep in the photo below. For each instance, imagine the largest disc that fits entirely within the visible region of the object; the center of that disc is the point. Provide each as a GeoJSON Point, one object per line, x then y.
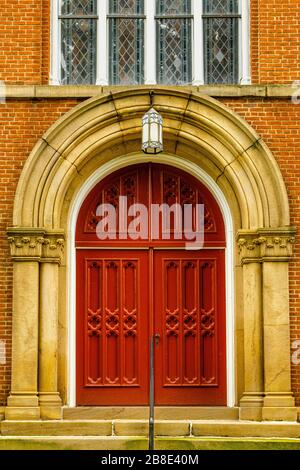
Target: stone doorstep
{"type": "Point", "coordinates": [142, 412]}
{"type": "Point", "coordinates": [139, 428]}
{"type": "Point", "coordinates": [56, 428]}
{"type": "Point", "coordinates": [135, 443]}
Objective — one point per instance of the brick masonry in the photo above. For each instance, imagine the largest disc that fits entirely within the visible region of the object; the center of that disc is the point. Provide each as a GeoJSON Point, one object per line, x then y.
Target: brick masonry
{"type": "Point", "coordinates": [25, 59]}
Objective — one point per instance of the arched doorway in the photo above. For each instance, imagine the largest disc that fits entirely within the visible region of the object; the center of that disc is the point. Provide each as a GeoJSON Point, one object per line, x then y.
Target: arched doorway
{"type": "Point", "coordinates": [97, 137]}
{"type": "Point", "coordinates": [131, 289]}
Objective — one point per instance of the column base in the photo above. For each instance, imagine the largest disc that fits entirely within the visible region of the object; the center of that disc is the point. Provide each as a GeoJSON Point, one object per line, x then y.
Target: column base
{"type": "Point", "coordinates": [22, 413]}
{"type": "Point", "coordinates": [50, 405]}
{"type": "Point", "coordinates": [273, 413]}
{"type": "Point", "coordinates": [279, 407]}
{"type": "Point", "coordinates": [23, 406]}
{"type": "Point", "coordinates": [251, 406]}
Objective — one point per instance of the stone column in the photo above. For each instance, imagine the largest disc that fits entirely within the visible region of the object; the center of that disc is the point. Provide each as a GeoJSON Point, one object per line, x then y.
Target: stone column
{"type": "Point", "coordinates": [49, 399]}
{"type": "Point", "coordinates": [266, 317]}
{"type": "Point", "coordinates": [26, 247]}
{"type": "Point", "coordinates": [252, 400]}
{"type": "Point", "coordinates": [279, 403]}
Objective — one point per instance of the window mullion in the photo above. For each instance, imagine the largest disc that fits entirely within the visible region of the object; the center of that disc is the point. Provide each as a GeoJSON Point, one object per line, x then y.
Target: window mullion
{"type": "Point", "coordinates": [150, 48]}
{"type": "Point", "coordinates": [244, 40]}
{"type": "Point", "coordinates": [55, 42]}
{"type": "Point", "coordinates": [102, 46]}
{"type": "Point", "coordinates": [198, 50]}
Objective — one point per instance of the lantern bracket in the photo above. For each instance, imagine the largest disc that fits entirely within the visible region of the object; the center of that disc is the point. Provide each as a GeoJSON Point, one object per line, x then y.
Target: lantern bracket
{"type": "Point", "coordinates": [151, 95]}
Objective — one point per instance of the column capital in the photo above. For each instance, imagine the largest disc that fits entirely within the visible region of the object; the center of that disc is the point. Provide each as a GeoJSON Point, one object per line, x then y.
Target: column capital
{"type": "Point", "coordinates": [53, 247]}
{"type": "Point", "coordinates": [266, 244]}
{"type": "Point", "coordinates": [36, 244]}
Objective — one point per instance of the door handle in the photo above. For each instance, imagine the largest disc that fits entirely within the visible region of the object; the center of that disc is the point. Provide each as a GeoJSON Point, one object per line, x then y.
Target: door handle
{"type": "Point", "coordinates": [157, 338]}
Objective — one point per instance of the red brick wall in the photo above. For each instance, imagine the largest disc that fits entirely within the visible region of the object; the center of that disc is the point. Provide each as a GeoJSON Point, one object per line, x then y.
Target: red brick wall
{"type": "Point", "coordinates": [25, 41]}
{"type": "Point", "coordinates": [21, 124]}
{"type": "Point", "coordinates": [45, 41]}
{"type": "Point", "coordinates": [275, 41]}
{"type": "Point", "coordinates": [20, 41]}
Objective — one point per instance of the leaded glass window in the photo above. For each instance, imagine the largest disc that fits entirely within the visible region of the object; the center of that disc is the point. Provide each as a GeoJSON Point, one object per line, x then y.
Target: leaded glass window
{"type": "Point", "coordinates": [78, 26]}
{"type": "Point", "coordinates": [132, 42]}
{"type": "Point", "coordinates": [221, 32]}
{"type": "Point", "coordinates": [174, 41]}
{"type": "Point", "coordinates": [126, 42]}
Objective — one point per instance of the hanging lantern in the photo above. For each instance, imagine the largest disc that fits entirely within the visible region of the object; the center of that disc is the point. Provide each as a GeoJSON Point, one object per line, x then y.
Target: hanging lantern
{"type": "Point", "coordinates": [152, 124]}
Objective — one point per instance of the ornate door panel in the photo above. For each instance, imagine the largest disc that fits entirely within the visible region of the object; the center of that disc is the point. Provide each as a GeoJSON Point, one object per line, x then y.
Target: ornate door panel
{"type": "Point", "coordinates": [139, 287]}
{"type": "Point", "coordinates": [148, 184]}
{"type": "Point", "coordinates": [112, 327]}
{"type": "Point", "coordinates": [189, 302]}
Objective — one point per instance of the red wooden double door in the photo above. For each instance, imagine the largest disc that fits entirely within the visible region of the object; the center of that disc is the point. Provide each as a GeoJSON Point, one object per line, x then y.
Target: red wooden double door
{"type": "Point", "coordinates": [128, 291]}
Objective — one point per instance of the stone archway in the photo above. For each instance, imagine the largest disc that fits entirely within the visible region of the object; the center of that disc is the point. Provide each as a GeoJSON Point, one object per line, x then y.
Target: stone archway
{"type": "Point", "coordinates": [200, 130]}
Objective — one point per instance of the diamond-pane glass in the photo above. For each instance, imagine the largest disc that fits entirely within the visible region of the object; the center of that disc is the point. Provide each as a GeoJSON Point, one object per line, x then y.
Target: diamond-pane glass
{"type": "Point", "coordinates": [221, 50]}
{"type": "Point", "coordinates": [78, 7]}
{"type": "Point", "coordinates": [126, 51]}
{"type": "Point", "coordinates": [78, 51]}
{"type": "Point", "coordinates": [174, 55]}
{"type": "Point", "coordinates": [221, 7]}
{"type": "Point", "coordinates": [123, 7]}
{"type": "Point", "coordinates": [173, 7]}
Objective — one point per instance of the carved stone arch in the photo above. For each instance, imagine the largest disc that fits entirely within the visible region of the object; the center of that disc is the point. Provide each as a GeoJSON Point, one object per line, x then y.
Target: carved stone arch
{"type": "Point", "coordinates": [195, 126]}
{"type": "Point", "coordinates": [199, 130]}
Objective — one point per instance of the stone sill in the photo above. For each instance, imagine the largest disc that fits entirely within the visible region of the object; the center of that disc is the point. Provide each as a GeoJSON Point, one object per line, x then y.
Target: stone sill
{"type": "Point", "coordinates": [82, 91]}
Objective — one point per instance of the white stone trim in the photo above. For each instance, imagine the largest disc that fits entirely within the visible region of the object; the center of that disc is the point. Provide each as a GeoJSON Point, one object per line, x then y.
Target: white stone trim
{"type": "Point", "coordinates": [244, 43]}
{"type": "Point", "coordinates": [54, 78]}
{"type": "Point", "coordinates": [150, 43]}
{"type": "Point", "coordinates": [102, 44]}
{"type": "Point", "coordinates": [28, 92]}
{"type": "Point", "coordinates": [98, 175]}
{"type": "Point", "coordinates": [197, 49]}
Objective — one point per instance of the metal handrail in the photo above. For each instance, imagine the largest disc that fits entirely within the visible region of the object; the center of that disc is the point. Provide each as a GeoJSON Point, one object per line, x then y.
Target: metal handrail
{"type": "Point", "coordinates": [151, 395]}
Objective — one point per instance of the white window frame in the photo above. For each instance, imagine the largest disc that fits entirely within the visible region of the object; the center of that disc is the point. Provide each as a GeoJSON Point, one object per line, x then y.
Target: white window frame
{"type": "Point", "coordinates": [150, 52]}
{"type": "Point", "coordinates": [54, 44]}
{"type": "Point", "coordinates": [244, 43]}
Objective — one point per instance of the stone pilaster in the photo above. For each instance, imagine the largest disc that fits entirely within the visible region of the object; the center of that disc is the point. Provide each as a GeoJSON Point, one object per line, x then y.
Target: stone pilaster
{"type": "Point", "coordinates": [28, 248]}
{"type": "Point", "coordinates": [49, 399]}
{"type": "Point", "coordinates": [273, 248]}
{"type": "Point", "coordinates": [252, 400]}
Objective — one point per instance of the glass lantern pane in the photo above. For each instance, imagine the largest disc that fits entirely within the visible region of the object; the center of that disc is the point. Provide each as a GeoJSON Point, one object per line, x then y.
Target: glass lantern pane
{"type": "Point", "coordinates": [123, 7]}
{"type": "Point", "coordinates": [221, 50]}
{"type": "Point", "coordinates": [126, 51]}
{"type": "Point", "coordinates": [154, 132]}
{"type": "Point", "coordinates": [174, 55]}
{"type": "Point", "coordinates": [173, 7]}
{"type": "Point", "coordinates": [145, 136]}
{"type": "Point", "coordinates": [161, 134]}
{"type": "Point", "coordinates": [78, 51]}
{"type": "Point", "coordinates": [78, 7]}
{"type": "Point", "coordinates": [220, 7]}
